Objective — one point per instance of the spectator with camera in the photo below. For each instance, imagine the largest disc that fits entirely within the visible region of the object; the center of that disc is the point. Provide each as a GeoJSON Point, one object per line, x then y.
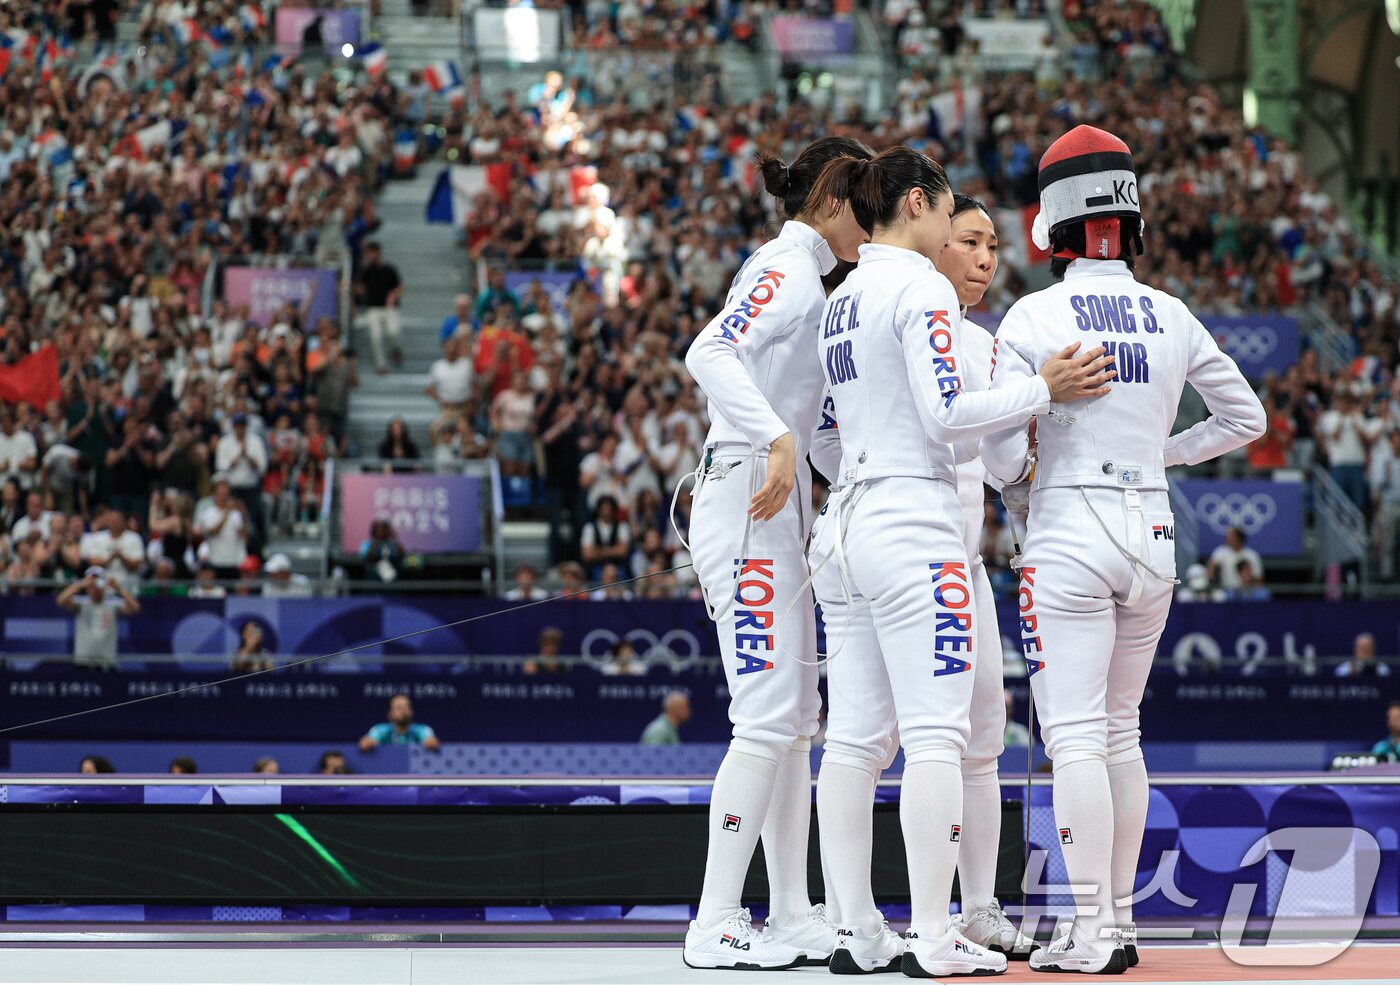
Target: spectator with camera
{"type": "Point", "coordinates": [96, 603]}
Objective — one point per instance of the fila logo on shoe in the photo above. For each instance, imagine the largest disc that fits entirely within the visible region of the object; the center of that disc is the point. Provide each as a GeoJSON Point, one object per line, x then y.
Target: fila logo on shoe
{"type": "Point", "coordinates": [729, 940]}
{"type": "Point", "coordinates": [731, 822]}
{"type": "Point", "coordinates": [843, 932]}
{"type": "Point", "coordinates": [1066, 838]}
{"type": "Point", "coordinates": [960, 946]}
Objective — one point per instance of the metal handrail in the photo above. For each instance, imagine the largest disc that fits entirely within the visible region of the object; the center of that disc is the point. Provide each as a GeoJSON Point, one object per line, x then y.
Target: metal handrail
{"type": "Point", "coordinates": [1333, 343]}
{"type": "Point", "coordinates": [1342, 529]}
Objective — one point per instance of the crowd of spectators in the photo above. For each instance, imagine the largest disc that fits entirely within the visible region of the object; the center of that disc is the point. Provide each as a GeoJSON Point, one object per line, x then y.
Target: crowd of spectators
{"type": "Point", "coordinates": [184, 441]}
{"type": "Point", "coordinates": [332, 762]}
{"type": "Point", "coordinates": [576, 387]}
{"type": "Point", "coordinates": [580, 383]}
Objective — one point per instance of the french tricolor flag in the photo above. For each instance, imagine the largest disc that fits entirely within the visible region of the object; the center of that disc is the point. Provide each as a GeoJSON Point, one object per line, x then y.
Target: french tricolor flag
{"type": "Point", "coordinates": [252, 17]}
{"type": "Point", "coordinates": [442, 76]}
{"type": "Point", "coordinates": [47, 55]}
{"type": "Point", "coordinates": [375, 59]}
{"type": "Point", "coordinates": [187, 31]}
{"type": "Point", "coordinates": [405, 150]}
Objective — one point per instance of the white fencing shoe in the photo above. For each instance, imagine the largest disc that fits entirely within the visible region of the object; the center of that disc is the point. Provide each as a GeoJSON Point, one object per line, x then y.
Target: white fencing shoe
{"type": "Point", "coordinates": [990, 927]}
{"type": "Point", "coordinates": [734, 943]}
{"type": "Point", "coordinates": [860, 954]}
{"type": "Point", "coordinates": [1128, 935]}
{"type": "Point", "coordinates": [950, 954]}
{"type": "Point", "coordinates": [1075, 951]}
{"type": "Point", "coordinates": [814, 936]}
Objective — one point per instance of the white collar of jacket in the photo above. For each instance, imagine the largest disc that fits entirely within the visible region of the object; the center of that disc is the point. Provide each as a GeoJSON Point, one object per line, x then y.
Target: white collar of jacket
{"type": "Point", "coordinates": [811, 240]}
{"type": "Point", "coordinates": [1086, 267]}
{"type": "Point", "coordinates": [883, 251]}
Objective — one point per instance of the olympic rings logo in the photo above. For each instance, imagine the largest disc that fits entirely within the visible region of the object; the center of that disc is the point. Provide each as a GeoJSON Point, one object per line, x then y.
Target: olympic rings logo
{"type": "Point", "coordinates": [1249, 343]}
{"type": "Point", "coordinates": [678, 647]}
{"type": "Point", "coordinates": [1250, 513]}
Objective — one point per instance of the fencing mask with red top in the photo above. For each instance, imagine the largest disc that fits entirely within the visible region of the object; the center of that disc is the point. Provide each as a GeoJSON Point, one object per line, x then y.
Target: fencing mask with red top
{"type": "Point", "coordinates": [1087, 177]}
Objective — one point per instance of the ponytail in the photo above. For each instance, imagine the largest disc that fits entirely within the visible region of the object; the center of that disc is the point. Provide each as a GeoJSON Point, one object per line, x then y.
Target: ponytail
{"type": "Point", "coordinates": [875, 188]}
{"type": "Point", "coordinates": [794, 185]}
{"type": "Point", "coordinates": [840, 181]}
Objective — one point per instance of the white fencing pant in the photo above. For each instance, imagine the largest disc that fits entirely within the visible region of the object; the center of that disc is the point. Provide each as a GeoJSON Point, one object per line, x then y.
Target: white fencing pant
{"type": "Point", "coordinates": [902, 658]}
{"type": "Point", "coordinates": [383, 322]}
{"type": "Point", "coordinates": [752, 573]}
{"type": "Point", "coordinates": [981, 834]}
{"type": "Point", "coordinates": [1090, 623]}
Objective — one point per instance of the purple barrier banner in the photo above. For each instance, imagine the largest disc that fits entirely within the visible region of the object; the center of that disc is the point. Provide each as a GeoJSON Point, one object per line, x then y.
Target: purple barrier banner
{"type": "Point", "coordinates": [1269, 513]}
{"type": "Point", "coordinates": [432, 514]}
{"type": "Point", "coordinates": [264, 290]}
{"type": "Point", "coordinates": [1259, 344]}
{"type": "Point", "coordinates": [556, 284]}
{"type": "Point", "coordinates": [337, 27]}
{"type": "Point", "coordinates": [1234, 640]}
{"type": "Point", "coordinates": [813, 36]}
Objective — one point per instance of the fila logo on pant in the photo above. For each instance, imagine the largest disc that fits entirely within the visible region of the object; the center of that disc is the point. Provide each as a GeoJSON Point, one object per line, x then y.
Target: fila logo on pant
{"type": "Point", "coordinates": [952, 625]}
{"type": "Point", "coordinates": [1066, 838]}
{"type": "Point", "coordinates": [731, 822]}
{"type": "Point", "coordinates": [1030, 642]}
{"type": "Point", "coordinates": [957, 833]}
{"type": "Point", "coordinates": [753, 614]}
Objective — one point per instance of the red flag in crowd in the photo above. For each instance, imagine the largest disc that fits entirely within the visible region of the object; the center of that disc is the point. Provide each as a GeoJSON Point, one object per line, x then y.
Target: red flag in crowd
{"type": "Point", "coordinates": [32, 380]}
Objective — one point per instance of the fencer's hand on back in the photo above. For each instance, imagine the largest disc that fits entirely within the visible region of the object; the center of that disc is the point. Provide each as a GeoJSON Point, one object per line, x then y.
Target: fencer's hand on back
{"type": "Point", "coordinates": [768, 502]}
{"type": "Point", "coordinates": [1073, 376]}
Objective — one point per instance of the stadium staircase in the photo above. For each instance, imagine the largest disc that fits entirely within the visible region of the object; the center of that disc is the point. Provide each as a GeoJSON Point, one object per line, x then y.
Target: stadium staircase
{"type": "Point", "coordinates": [414, 41]}
{"type": "Point", "coordinates": [433, 273]}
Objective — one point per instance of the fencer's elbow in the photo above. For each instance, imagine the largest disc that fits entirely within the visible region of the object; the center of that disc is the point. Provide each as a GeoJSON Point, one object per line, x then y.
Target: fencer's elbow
{"type": "Point", "coordinates": [1256, 422]}
{"type": "Point", "coordinates": [1003, 473]}
{"type": "Point", "coordinates": [1004, 468]}
{"type": "Point", "coordinates": [698, 363]}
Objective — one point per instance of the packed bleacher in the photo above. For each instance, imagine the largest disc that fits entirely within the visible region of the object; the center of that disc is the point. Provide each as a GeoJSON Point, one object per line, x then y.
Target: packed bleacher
{"type": "Point", "coordinates": [125, 178]}
{"type": "Point", "coordinates": [128, 173]}
{"type": "Point", "coordinates": [655, 208]}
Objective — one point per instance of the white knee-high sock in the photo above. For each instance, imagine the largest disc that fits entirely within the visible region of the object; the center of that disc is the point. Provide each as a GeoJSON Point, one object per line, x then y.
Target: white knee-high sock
{"type": "Point", "coordinates": [1084, 819]}
{"type": "Point", "coordinates": [846, 824]}
{"type": "Point", "coordinates": [1127, 781]}
{"type": "Point", "coordinates": [833, 906]}
{"type": "Point", "coordinates": [786, 834]}
{"type": "Point", "coordinates": [981, 833]}
{"type": "Point", "coordinates": [930, 804]}
{"type": "Point", "coordinates": [738, 806]}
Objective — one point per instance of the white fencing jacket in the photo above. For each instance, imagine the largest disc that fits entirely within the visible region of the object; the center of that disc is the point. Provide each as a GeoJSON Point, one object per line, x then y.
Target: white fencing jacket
{"type": "Point", "coordinates": [1122, 440]}
{"type": "Point", "coordinates": [756, 360]}
{"type": "Point", "coordinates": [892, 349]}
